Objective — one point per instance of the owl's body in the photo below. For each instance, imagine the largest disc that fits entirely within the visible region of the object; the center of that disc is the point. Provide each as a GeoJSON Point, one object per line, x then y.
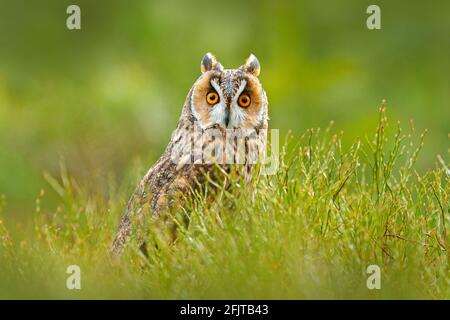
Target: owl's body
{"type": "Point", "coordinates": [223, 124]}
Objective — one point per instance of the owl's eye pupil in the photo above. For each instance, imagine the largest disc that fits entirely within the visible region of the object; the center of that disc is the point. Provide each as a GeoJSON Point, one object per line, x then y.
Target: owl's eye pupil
{"type": "Point", "coordinates": [244, 100]}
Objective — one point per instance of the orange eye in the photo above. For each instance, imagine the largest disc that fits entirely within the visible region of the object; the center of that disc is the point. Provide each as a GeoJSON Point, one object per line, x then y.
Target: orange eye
{"type": "Point", "coordinates": [244, 100]}
{"type": "Point", "coordinates": [212, 98]}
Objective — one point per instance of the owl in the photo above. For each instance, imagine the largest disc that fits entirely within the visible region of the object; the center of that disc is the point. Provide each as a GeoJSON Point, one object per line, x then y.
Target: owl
{"type": "Point", "coordinates": [223, 125]}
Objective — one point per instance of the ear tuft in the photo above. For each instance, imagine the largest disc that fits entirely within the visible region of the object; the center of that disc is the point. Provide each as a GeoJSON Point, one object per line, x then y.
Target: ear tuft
{"type": "Point", "coordinates": [252, 65]}
{"type": "Point", "coordinates": [209, 62]}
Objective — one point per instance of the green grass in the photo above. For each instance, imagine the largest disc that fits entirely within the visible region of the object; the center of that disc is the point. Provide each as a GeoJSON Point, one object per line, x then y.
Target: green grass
{"type": "Point", "coordinates": [309, 231]}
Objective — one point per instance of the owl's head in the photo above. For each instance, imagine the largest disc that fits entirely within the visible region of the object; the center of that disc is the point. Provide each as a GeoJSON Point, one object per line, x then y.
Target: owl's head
{"type": "Point", "coordinates": [229, 98]}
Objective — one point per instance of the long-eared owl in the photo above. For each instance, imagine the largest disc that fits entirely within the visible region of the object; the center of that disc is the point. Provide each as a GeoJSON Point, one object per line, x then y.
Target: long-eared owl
{"type": "Point", "coordinates": [223, 124]}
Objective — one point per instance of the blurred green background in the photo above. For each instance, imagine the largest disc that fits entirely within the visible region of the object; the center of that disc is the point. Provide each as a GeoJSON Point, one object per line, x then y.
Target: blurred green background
{"type": "Point", "coordinates": [111, 93]}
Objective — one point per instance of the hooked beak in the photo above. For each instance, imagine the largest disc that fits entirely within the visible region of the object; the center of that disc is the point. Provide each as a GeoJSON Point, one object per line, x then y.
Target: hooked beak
{"type": "Point", "coordinates": [227, 116]}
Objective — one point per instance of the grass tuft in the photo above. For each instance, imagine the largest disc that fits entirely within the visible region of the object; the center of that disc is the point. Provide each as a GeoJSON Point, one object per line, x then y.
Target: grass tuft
{"type": "Point", "coordinates": [308, 231]}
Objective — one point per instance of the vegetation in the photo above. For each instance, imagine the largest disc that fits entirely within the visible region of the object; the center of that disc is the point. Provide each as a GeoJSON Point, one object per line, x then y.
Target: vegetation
{"type": "Point", "coordinates": [83, 114]}
{"type": "Point", "coordinates": [308, 231]}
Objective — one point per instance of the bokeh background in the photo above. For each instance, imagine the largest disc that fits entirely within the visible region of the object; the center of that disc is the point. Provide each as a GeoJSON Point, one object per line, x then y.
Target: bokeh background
{"type": "Point", "coordinates": [102, 97]}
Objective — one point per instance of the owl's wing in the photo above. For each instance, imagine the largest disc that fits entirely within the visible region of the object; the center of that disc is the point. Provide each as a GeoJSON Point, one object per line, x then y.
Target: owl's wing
{"type": "Point", "coordinates": [146, 201]}
{"type": "Point", "coordinates": [135, 211]}
{"type": "Point", "coordinates": [160, 188]}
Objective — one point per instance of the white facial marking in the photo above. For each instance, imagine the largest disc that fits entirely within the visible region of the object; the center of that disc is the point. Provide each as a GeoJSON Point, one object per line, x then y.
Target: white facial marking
{"type": "Point", "coordinates": [218, 111]}
{"type": "Point", "coordinates": [237, 114]}
{"type": "Point", "coordinates": [240, 89]}
{"type": "Point", "coordinates": [216, 86]}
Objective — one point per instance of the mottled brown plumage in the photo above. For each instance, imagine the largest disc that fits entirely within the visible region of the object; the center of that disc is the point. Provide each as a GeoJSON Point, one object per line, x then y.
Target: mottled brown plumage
{"type": "Point", "coordinates": [223, 124]}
